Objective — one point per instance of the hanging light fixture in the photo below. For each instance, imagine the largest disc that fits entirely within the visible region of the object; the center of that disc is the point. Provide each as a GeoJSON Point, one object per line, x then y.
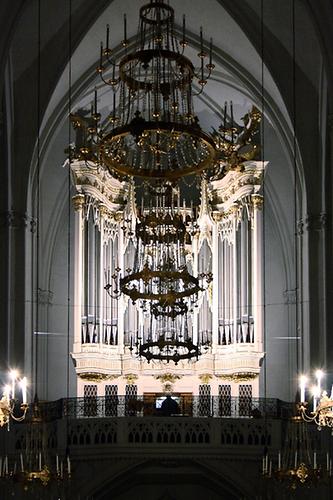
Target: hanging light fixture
{"type": "Point", "coordinates": [298, 465]}
{"type": "Point", "coordinates": [8, 402]}
{"type": "Point", "coordinates": [152, 134]}
{"type": "Point", "coordinates": [320, 411]}
{"type": "Point", "coordinates": [161, 282]}
{"type": "Point", "coordinates": [33, 467]}
{"type": "Point", "coordinates": [152, 130]}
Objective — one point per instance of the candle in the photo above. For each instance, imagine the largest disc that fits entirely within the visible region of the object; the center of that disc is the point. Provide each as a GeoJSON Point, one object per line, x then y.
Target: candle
{"type": "Point", "coordinates": [21, 461]}
{"type": "Point", "coordinates": [24, 390]}
{"type": "Point", "coordinates": [201, 41]}
{"type": "Point", "coordinates": [95, 100]}
{"type": "Point", "coordinates": [331, 396]}
{"type": "Point", "coordinates": [184, 29]}
{"type": "Point", "coordinates": [314, 460]}
{"type": "Point", "coordinates": [210, 51]}
{"type": "Point", "coordinates": [101, 56]}
{"type": "Point", "coordinates": [303, 380]}
{"type": "Point", "coordinates": [40, 461]}
{"type": "Point", "coordinates": [327, 461]}
{"type": "Point", "coordinates": [13, 375]}
{"type": "Point", "coordinates": [6, 465]}
{"type": "Point", "coordinates": [107, 36]}
{"type": "Point", "coordinates": [0, 466]}
{"type": "Point", "coordinates": [295, 459]}
{"type": "Point", "coordinates": [279, 460]}
{"type": "Point", "coordinates": [125, 28]}
{"type": "Point", "coordinates": [57, 463]}
{"type": "Point", "coordinates": [61, 469]}
{"type": "Point", "coordinates": [319, 376]}
{"type": "Point", "coordinates": [6, 392]}
{"type": "Point", "coordinates": [68, 466]}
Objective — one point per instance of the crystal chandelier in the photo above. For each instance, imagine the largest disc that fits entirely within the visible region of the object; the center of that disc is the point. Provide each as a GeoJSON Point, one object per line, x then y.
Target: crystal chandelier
{"type": "Point", "coordinates": [321, 412]}
{"type": "Point", "coordinates": [8, 401]}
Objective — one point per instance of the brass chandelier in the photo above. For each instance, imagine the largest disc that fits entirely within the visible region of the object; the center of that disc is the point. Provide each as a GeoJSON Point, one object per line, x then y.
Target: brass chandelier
{"type": "Point", "coordinates": [321, 410]}
{"type": "Point", "coordinates": [299, 465]}
{"type": "Point", "coordinates": [152, 130]}
{"type": "Point", "coordinates": [151, 136]}
{"type": "Point", "coordinates": [8, 402]}
{"type": "Point", "coordinates": [161, 283]}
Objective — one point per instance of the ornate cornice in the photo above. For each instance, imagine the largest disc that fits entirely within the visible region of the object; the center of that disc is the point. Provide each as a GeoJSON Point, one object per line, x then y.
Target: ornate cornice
{"type": "Point", "coordinates": [78, 202]}
{"type": "Point", "coordinates": [205, 378]}
{"type": "Point", "coordinates": [258, 201]}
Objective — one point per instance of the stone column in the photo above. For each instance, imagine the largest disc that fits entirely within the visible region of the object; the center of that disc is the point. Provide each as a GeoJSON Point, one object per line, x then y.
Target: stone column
{"type": "Point", "coordinates": [78, 203]}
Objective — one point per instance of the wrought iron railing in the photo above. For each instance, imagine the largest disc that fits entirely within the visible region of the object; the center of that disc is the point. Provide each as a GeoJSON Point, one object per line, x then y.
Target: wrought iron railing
{"type": "Point", "coordinates": [188, 406]}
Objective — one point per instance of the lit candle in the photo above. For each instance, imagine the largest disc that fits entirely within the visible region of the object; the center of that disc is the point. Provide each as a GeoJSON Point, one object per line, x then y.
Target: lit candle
{"type": "Point", "coordinates": [6, 392]}
{"type": "Point", "coordinates": [315, 396]}
{"type": "Point", "coordinates": [319, 376]}
{"type": "Point", "coordinates": [13, 376]}
{"type": "Point", "coordinates": [24, 390]}
{"type": "Point", "coordinates": [302, 383]}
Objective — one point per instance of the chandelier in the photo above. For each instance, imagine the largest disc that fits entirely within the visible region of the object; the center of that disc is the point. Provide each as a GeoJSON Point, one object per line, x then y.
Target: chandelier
{"type": "Point", "coordinates": [8, 402]}
{"type": "Point", "coordinates": [152, 130]}
{"type": "Point", "coordinates": [150, 136]}
{"type": "Point", "coordinates": [299, 464]}
{"type": "Point", "coordinates": [160, 280]}
{"type": "Point", "coordinates": [321, 410]}
{"type": "Point", "coordinates": [33, 469]}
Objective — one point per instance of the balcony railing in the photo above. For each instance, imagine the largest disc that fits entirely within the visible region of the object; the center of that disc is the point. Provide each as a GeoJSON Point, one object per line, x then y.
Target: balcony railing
{"type": "Point", "coordinates": [188, 406]}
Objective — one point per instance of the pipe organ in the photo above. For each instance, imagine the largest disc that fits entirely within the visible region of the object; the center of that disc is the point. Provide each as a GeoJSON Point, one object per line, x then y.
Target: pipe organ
{"type": "Point", "coordinates": [228, 317]}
